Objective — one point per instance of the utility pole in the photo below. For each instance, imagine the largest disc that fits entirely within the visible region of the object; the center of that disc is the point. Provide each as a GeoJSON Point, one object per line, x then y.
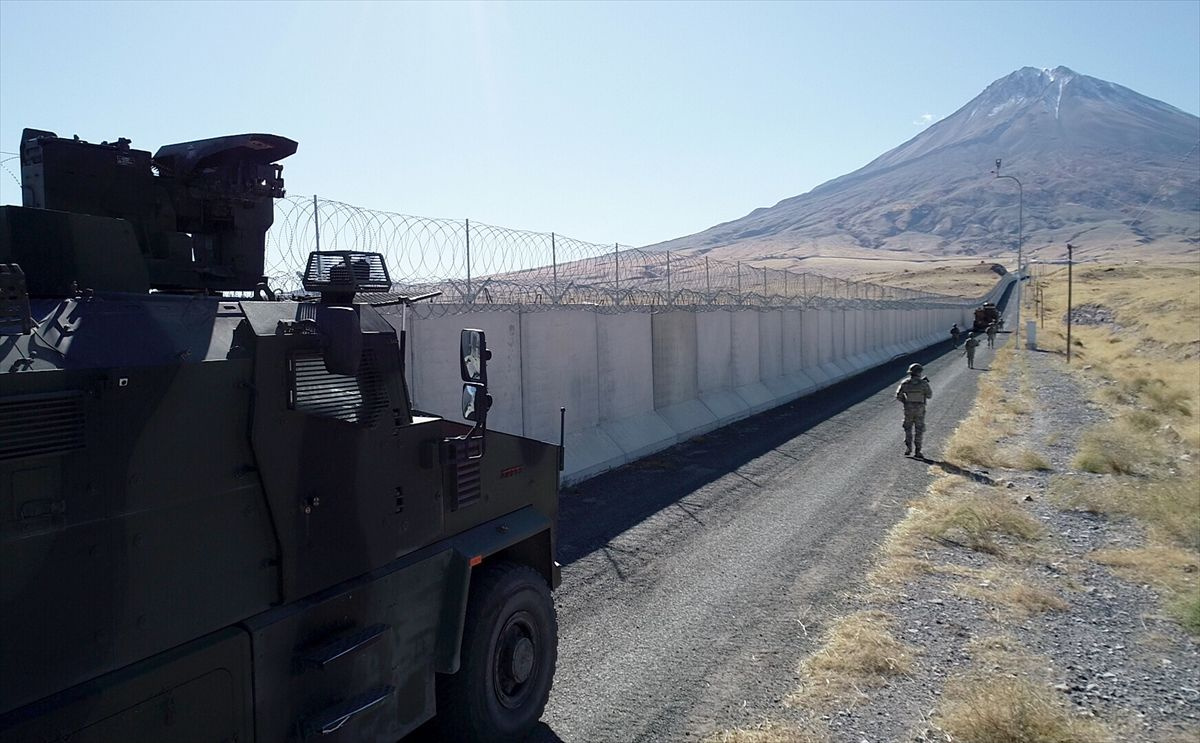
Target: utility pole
{"type": "Point", "coordinates": [1070, 249]}
{"type": "Point", "coordinates": [1020, 235]}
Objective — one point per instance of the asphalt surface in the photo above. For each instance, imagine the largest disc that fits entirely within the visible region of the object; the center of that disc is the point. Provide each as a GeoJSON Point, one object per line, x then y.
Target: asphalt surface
{"type": "Point", "coordinates": [694, 580]}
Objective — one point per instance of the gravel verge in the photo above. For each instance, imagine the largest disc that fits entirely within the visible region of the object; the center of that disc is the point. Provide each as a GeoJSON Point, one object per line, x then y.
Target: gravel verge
{"type": "Point", "coordinates": [1112, 654]}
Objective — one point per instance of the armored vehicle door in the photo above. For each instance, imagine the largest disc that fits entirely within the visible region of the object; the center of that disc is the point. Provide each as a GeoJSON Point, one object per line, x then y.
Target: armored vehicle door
{"type": "Point", "coordinates": [336, 448]}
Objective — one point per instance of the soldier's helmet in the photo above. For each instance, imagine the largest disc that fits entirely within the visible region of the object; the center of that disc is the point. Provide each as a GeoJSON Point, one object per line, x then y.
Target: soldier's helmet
{"type": "Point", "coordinates": [915, 369]}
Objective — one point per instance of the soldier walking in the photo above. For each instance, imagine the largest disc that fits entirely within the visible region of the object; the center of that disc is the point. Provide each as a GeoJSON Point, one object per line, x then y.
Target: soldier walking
{"type": "Point", "coordinates": [913, 391]}
{"type": "Point", "coordinates": [954, 333]}
{"type": "Point", "coordinates": [991, 334]}
{"type": "Point", "coordinates": [969, 349]}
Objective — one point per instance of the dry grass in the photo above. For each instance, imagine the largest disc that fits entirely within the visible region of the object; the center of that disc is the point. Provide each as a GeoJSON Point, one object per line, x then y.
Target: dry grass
{"type": "Point", "coordinates": [1121, 447]}
{"type": "Point", "coordinates": [996, 415]}
{"type": "Point", "coordinates": [1028, 459]}
{"type": "Point", "coordinates": [991, 709]}
{"type": "Point", "coordinates": [1147, 363]}
{"type": "Point", "coordinates": [1012, 591]}
{"type": "Point", "coordinates": [971, 516]}
{"type": "Point", "coordinates": [1171, 507]}
{"type": "Point", "coordinates": [768, 732]}
{"type": "Point", "coordinates": [993, 418]}
{"type": "Point", "coordinates": [858, 650]}
{"type": "Point", "coordinates": [1171, 570]}
{"type": "Point", "coordinates": [1152, 351]}
{"type": "Point", "coordinates": [1168, 568]}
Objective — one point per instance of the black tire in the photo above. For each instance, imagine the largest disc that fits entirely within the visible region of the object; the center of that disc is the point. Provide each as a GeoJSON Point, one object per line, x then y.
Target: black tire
{"type": "Point", "coordinates": [509, 650]}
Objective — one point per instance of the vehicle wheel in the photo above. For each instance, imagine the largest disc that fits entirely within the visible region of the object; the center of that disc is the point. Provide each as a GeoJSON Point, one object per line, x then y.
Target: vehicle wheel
{"type": "Point", "coordinates": [509, 649]}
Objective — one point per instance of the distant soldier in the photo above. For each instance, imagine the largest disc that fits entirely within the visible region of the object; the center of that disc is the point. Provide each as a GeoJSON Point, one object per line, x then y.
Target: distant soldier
{"type": "Point", "coordinates": [969, 349]}
{"type": "Point", "coordinates": [913, 391]}
{"type": "Point", "coordinates": [991, 334]}
{"type": "Point", "coordinates": [954, 333]}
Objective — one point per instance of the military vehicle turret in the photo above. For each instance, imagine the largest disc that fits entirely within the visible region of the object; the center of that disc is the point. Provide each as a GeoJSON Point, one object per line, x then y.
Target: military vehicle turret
{"type": "Point", "coordinates": [221, 518]}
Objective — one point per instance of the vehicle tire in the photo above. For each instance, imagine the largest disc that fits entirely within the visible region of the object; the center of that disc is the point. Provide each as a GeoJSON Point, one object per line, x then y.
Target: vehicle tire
{"type": "Point", "coordinates": [509, 650]}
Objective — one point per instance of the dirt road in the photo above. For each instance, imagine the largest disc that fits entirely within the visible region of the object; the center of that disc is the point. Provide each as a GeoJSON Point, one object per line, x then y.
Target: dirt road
{"type": "Point", "coordinates": [694, 580]}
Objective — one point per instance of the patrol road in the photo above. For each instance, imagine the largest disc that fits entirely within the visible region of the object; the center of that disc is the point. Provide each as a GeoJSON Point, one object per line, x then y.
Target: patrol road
{"type": "Point", "coordinates": [694, 580]}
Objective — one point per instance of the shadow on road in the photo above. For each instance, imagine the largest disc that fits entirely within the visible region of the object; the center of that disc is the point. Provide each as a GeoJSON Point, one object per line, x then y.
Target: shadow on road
{"type": "Point", "coordinates": [954, 469]}
{"type": "Point", "coordinates": [591, 514]}
{"type": "Point", "coordinates": [428, 733]}
{"type": "Point", "coordinates": [543, 734]}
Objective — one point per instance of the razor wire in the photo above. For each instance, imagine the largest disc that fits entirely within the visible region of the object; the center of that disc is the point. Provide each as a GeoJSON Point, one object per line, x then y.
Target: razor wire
{"type": "Point", "coordinates": [473, 263]}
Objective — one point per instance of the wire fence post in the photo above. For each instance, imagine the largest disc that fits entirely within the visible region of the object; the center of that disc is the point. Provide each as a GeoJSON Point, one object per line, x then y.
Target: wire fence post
{"type": "Point", "coordinates": [668, 276]}
{"type": "Point", "coordinates": [739, 278]}
{"type": "Point", "coordinates": [470, 297]}
{"type": "Point", "coordinates": [617, 270]}
{"type": "Point", "coordinates": [785, 288]}
{"type": "Point", "coordinates": [707, 277]}
{"type": "Point", "coordinates": [764, 282]}
{"type": "Point", "coordinates": [554, 264]}
{"type": "Point", "coordinates": [316, 222]}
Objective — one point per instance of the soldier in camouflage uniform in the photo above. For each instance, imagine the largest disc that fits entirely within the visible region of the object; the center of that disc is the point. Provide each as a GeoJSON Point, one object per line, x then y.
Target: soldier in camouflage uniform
{"type": "Point", "coordinates": [991, 334]}
{"type": "Point", "coordinates": [969, 349]}
{"type": "Point", "coordinates": [913, 391]}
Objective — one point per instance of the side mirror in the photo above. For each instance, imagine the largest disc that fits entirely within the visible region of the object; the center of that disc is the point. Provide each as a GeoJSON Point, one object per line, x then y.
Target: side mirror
{"type": "Point", "coordinates": [475, 402]}
{"type": "Point", "coordinates": [473, 355]}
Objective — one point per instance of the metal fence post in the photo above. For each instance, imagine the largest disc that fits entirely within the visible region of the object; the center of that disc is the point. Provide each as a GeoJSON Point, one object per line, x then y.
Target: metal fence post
{"type": "Point", "coordinates": [617, 270]}
{"type": "Point", "coordinates": [316, 222]}
{"type": "Point", "coordinates": [739, 278]}
{"type": "Point", "coordinates": [764, 282]}
{"type": "Point", "coordinates": [554, 264]}
{"type": "Point", "coordinates": [668, 276]}
{"type": "Point", "coordinates": [707, 277]}
{"type": "Point", "coordinates": [470, 297]}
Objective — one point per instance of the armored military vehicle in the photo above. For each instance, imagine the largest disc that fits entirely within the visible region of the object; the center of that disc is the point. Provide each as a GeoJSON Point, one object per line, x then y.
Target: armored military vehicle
{"type": "Point", "coordinates": [985, 314]}
{"type": "Point", "coordinates": [221, 518]}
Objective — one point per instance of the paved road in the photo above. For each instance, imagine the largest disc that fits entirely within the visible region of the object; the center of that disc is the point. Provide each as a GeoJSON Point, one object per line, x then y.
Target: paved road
{"type": "Point", "coordinates": [693, 581]}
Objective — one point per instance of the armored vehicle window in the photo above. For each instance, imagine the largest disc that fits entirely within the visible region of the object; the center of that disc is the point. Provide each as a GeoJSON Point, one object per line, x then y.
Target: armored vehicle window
{"type": "Point", "coordinates": [356, 399]}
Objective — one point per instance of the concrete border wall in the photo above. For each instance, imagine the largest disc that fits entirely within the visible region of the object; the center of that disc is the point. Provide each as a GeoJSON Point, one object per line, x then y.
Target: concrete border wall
{"type": "Point", "coordinates": [637, 382]}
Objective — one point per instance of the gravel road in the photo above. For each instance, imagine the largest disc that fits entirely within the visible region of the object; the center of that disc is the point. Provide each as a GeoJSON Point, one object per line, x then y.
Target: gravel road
{"type": "Point", "coordinates": [694, 580]}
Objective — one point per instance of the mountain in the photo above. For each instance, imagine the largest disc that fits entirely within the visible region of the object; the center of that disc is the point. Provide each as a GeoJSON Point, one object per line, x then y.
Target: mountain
{"type": "Point", "coordinates": [1102, 166]}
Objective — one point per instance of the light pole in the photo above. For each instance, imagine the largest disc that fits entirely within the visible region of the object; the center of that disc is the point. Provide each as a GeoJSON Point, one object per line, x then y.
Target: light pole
{"type": "Point", "coordinates": [1020, 235]}
{"type": "Point", "coordinates": [1070, 250]}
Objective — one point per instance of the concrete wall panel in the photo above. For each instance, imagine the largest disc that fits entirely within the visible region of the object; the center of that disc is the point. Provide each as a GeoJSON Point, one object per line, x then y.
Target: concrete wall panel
{"type": "Point", "coordinates": [824, 336]}
{"type": "Point", "coordinates": [713, 347]}
{"type": "Point", "coordinates": [837, 322]}
{"type": "Point", "coordinates": [627, 379]}
{"type": "Point", "coordinates": [770, 344]}
{"type": "Point", "coordinates": [792, 331]}
{"type": "Point", "coordinates": [674, 357]}
{"type": "Point", "coordinates": [560, 368]}
{"type": "Point", "coordinates": [744, 340]}
{"type": "Point", "coordinates": [431, 362]}
{"type": "Point", "coordinates": [636, 382]}
{"type": "Point", "coordinates": [626, 373]}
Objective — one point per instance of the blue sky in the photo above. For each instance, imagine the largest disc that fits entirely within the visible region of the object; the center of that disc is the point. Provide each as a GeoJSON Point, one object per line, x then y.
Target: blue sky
{"type": "Point", "coordinates": [630, 122]}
